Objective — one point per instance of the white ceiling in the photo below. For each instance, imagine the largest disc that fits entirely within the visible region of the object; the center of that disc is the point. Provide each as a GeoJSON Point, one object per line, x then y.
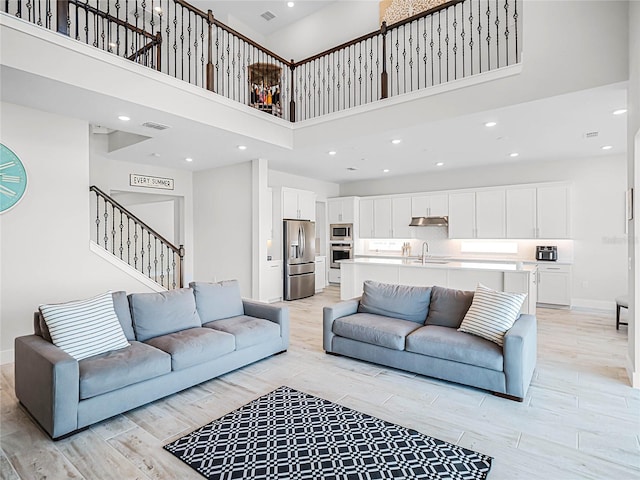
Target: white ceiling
{"type": "Point", "coordinates": [249, 12]}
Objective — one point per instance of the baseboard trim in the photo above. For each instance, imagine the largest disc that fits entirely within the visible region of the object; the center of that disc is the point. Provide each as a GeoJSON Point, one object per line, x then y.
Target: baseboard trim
{"type": "Point", "coordinates": [587, 304]}
{"type": "Point", "coordinates": [7, 356]}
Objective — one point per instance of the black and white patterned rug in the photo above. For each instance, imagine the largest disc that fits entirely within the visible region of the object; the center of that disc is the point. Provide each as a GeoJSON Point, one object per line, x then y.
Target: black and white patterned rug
{"type": "Point", "coordinates": [292, 435]}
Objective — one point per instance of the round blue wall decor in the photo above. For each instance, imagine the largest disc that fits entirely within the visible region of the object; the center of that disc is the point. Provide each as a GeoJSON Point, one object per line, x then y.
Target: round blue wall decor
{"type": "Point", "coordinates": [13, 179]}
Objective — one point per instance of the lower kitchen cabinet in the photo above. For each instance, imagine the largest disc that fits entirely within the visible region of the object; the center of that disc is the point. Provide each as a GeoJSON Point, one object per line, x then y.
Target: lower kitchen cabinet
{"type": "Point", "coordinates": [321, 273]}
{"type": "Point", "coordinates": [271, 290]}
{"type": "Point", "coordinates": [554, 284]}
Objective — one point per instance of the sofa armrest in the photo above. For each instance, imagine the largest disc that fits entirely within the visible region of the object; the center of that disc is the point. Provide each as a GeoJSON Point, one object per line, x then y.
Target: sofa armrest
{"type": "Point", "coordinates": [331, 314]}
{"type": "Point", "coordinates": [279, 315]}
{"type": "Point", "coordinates": [47, 383]}
{"type": "Point", "coordinates": [520, 353]}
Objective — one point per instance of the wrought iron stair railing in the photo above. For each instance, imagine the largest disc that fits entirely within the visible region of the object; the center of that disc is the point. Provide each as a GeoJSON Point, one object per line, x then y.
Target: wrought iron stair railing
{"type": "Point", "coordinates": [128, 238]}
{"type": "Point", "coordinates": [454, 40]}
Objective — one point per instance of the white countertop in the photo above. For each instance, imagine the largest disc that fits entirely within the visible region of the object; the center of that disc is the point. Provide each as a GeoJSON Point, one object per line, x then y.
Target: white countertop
{"type": "Point", "coordinates": [464, 259]}
{"type": "Point", "coordinates": [443, 263]}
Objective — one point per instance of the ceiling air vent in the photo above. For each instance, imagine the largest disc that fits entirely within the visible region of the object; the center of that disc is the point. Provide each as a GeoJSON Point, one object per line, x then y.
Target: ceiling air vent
{"type": "Point", "coordinates": [591, 135]}
{"type": "Point", "coordinates": [155, 126]}
{"type": "Point", "coordinates": [268, 16]}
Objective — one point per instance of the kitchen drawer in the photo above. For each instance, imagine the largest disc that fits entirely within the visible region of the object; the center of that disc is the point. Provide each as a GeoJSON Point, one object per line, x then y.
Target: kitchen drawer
{"type": "Point", "coordinates": [554, 268]}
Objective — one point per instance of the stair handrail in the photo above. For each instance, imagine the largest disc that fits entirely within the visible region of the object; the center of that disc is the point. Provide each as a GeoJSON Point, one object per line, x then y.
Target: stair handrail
{"type": "Point", "coordinates": [179, 250]}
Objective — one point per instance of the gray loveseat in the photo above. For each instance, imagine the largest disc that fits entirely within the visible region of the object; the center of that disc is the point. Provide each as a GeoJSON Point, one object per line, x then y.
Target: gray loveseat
{"type": "Point", "coordinates": [415, 329]}
{"type": "Point", "coordinates": [177, 339]}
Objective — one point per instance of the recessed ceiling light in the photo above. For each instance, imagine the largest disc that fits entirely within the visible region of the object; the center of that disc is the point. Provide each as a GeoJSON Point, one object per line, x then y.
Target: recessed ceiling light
{"type": "Point", "coordinates": [396, 141]}
{"type": "Point", "coordinates": [514, 154]}
{"type": "Point", "coordinates": [386, 170]}
{"type": "Point", "coordinates": [620, 111]}
{"type": "Point", "coordinates": [439, 164]}
{"type": "Point", "coordinates": [607, 147]}
{"type": "Point", "coordinates": [124, 118]}
{"type": "Point", "coordinates": [290, 4]}
{"type": "Point", "coordinates": [332, 152]}
{"type": "Point", "coordinates": [490, 124]}
{"type": "Point", "coordinates": [242, 147]}
{"type": "Point", "coordinates": [188, 159]}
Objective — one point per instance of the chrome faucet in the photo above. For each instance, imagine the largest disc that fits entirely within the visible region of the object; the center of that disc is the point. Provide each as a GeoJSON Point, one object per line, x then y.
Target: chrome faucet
{"type": "Point", "coordinates": [425, 251]}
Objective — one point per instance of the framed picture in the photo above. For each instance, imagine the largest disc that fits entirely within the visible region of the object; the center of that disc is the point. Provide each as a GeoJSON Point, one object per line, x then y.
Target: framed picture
{"type": "Point", "coordinates": [629, 204]}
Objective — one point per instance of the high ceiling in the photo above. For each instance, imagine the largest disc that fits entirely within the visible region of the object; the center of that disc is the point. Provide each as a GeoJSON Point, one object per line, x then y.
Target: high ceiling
{"type": "Point", "coordinates": [249, 12]}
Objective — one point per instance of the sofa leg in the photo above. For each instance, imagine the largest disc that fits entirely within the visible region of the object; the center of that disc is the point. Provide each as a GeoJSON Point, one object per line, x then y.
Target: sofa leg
{"type": "Point", "coordinates": [508, 397]}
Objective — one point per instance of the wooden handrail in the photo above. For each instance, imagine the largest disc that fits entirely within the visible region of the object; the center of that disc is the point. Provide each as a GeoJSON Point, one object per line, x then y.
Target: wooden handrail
{"type": "Point", "coordinates": [178, 250]}
{"type": "Point", "coordinates": [157, 40]}
{"type": "Point", "coordinates": [113, 19]}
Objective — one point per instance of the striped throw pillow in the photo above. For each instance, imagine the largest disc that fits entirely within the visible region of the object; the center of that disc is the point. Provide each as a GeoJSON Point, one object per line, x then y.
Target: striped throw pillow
{"type": "Point", "coordinates": [492, 313]}
{"type": "Point", "coordinates": [85, 328]}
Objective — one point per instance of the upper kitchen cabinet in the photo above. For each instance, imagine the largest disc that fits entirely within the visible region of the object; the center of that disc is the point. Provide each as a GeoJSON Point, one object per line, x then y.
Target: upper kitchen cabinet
{"type": "Point", "coordinates": [434, 205]}
{"type": "Point", "coordinates": [538, 212]}
{"type": "Point", "coordinates": [401, 217]}
{"type": "Point", "coordinates": [477, 214]}
{"type": "Point", "coordinates": [366, 218]}
{"type": "Point", "coordinates": [462, 215]}
{"type": "Point", "coordinates": [521, 212]}
{"type": "Point", "coordinates": [382, 221]}
{"type": "Point", "coordinates": [298, 204]}
{"type": "Point", "coordinates": [342, 210]}
{"type": "Point", "coordinates": [553, 211]}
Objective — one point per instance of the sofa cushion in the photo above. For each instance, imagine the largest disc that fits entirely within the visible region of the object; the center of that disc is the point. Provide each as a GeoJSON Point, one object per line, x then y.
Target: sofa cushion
{"type": "Point", "coordinates": [215, 301]}
{"type": "Point", "coordinates": [449, 344]}
{"type": "Point", "coordinates": [156, 314]}
{"type": "Point", "coordinates": [375, 329]}
{"type": "Point", "coordinates": [193, 346]}
{"type": "Point", "coordinates": [398, 301]}
{"type": "Point", "coordinates": [117, 369]}
{"type": "Point", "coordinates": [85, 328]}
{"type": "Point", "coordinates": [121, 306]}
{"type": "Point", "coordinates": [492, 313]}
{"type": "Point", "coordinates": [448, 306]}
{"type": "Point", "coordinates": [248, 331]}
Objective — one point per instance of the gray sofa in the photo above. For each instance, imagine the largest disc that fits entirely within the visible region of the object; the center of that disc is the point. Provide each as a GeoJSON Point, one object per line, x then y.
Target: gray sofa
{"type": "Point", "coordinates": [177, 339]}
{"type": "Point", "coordinates": [415, 329]}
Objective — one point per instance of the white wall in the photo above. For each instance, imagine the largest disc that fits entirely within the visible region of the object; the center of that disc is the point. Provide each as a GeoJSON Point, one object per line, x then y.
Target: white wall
{"type": "Point", "coordinates": [335, 24]}
{"type": "Point", "coordinates": [322, 189]}
{"type": "Point", "coordinates": [44, 247]}
{"type": "Point", "coordinates": [223, 225]}
{"type": "Point", "coordinates": [597, 210]}
{"type": "Point", "coordinates": [113, 175]}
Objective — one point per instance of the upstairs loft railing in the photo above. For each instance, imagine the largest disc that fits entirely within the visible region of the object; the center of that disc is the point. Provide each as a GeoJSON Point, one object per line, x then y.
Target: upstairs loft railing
{"type": "Point", "coordinates": [131, 240]}
{"type": "Point", "coordinates": [455, 40]}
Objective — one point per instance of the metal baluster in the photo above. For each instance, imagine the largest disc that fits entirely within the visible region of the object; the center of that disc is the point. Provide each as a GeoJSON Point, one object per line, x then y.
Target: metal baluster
{"type": "Point", "coordinates": [497, 23]}
{"type": "Point", "coordinates": [488, 35]}
{"type": "Point", "coordinates": [479, 28]}
{"type": "Point", "coordinates": [19, 11]}
{"type": "Point", "coordinates": [113, 229]}
{"type": "Point", "coordinates": [128, 239]}
{"type": "Point", "coordinates": [162, 247]}
{"type": "Point", "coordinates": [106, 222]}
{"type": "Point", "coordinates": [344, 85]}
{"type": "Point", "coordinates": [149, 255]}
{"type": "Point", "coordinates": [411, 56]}
{"type": "Point", "coordinates": [135, 245]}
{"type": "Point", "coordinates": [204, 83]}
{"type": "Point", "coordinates": [359, 70]}
{"type": "Point", "coordinates": [228, 70]}
{"type": "Point", "coordinates": [121, 235]}
{"type": "Point", "coordinates": [189, 47]}
{"type": "Point", "coordinates": [181, 43]}
{"type": "Point", "coordinates": [439, 30]}
{"type": "Point", "coordinates": [217, 58]}
{"type": "Point", "coordinates": [173, 264]}
{"type": "Point", "coordinates": [515, 18]}
{"type": "Point", "coordinates": [506, 31]}
{"type": "Point", "coordinates": [471, 38]}
{"type": "Point", "coordinates": [86, 22]}
{"type": "Point", "coordinates": [455, 42]}
{"type": "Point", "coordinates": [232, 57]}
{"type": "Point", "coordinates": [175, 40]}
{"type": "Point", "coordinates": [155, 254]}
{"type": "Point", "coordinates": [136, 48]}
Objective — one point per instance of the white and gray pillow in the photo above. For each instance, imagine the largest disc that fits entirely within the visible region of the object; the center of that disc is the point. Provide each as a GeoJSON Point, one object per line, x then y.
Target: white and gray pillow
{"type": "Point", "coordinates": [85, 328]}
{"type": "Point", "coordinates": [492, 313]}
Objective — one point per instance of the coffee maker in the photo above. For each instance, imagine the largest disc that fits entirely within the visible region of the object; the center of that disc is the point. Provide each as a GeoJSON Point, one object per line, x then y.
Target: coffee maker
{"type": "Point", "coordinates": [547, 254]}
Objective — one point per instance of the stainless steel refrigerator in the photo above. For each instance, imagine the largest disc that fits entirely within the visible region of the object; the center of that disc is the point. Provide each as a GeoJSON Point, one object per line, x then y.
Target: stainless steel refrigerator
{"type": "Point", "coordinates": [299, 259]}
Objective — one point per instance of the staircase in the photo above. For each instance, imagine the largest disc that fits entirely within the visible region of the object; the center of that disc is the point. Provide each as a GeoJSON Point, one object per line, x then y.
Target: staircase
{"type": "Point", "coordinates": [126, 237]}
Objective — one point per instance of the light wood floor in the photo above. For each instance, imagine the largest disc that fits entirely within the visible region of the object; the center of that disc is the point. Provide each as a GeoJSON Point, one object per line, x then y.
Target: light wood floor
{"type": "Point", "coordinates": [580, 420]}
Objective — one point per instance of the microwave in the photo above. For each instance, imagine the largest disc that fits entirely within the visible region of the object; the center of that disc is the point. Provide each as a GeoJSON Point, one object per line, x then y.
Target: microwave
{"type": "Point", "coordinates": [341, 232]}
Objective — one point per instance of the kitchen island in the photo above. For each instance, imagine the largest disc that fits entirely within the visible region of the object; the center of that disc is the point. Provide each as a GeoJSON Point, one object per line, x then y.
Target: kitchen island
{"type": "Point", "coordinates": [505, 277]}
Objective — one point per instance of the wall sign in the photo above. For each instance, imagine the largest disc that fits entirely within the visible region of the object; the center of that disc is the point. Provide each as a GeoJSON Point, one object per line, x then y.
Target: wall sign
{"type": "Point", "coordinates": [150, 182]}
{"type": "Point", "coordinates": [13, 179]}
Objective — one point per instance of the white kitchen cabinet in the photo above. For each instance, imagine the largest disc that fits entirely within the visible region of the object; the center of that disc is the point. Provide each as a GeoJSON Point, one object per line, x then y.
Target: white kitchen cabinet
{"type": "Point", "coordinates": [434, 205]}
{"type": "Point", "coordinates": [321, 273]}
{"type": "Point", "coordinates": [554, 284]}
{"type": "Point", "coordinates": [490, 214]}
{"type": "Point", "coordinates": [477, 214]}
{"type": "Point", "coordinates": [271, 290]}
{"type": "Point", "coordinates": [462, 215]}
{"type": "Point", "coordinates": [366, 218]}
{"type": "Point", "coordinates": [382, 222]}
{"type": "Point", "coordinates": [553, 211]}
{"type": "Point", "coordinates": [298, 204]}
{"type": "Point", "coordinates": [521, 212]}
{"type": "Point", "coordinates": [342, 210]}
{"type": "Point", "coordinates": [401, 217]}
{"type": "Point", "coordinates": [335, 275]}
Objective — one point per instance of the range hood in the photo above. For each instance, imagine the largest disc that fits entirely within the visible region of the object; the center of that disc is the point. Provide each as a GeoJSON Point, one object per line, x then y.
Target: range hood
{"type": "Point", "coordinates": [429, 222]}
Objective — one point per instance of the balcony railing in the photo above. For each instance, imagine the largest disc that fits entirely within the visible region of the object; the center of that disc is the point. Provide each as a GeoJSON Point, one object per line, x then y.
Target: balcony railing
{"type": "Point", "coordinates": [455, 40]}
